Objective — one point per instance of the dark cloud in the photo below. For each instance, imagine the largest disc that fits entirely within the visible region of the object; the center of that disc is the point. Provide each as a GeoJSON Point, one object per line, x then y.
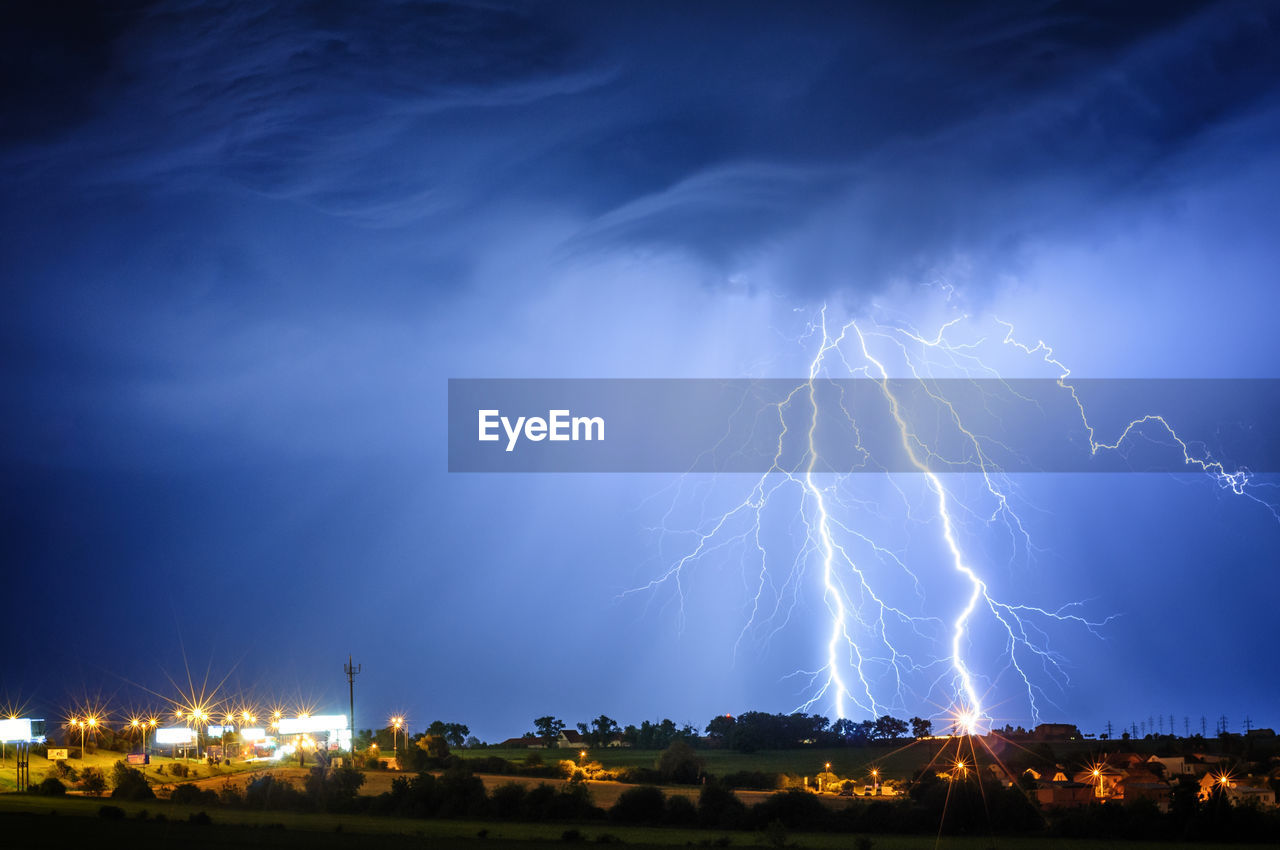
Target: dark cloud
{"type": "Point", "coordinates": [663, 127]}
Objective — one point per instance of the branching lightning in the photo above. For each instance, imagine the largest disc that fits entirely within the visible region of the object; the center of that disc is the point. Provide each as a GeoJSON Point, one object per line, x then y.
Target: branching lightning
{"type": "Point", "coordinates": [880, 638]}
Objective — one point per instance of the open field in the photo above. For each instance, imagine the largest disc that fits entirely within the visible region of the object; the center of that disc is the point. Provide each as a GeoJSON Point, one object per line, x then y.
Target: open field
{"type": "Point", "coordinates": [902, 758]}
{"type": "Point", "coordinates": [39, 822]}
{"type": "Point", "coordinates": [603, 794]}
{"type": "Point", "coordinates": [105, 760]}
{"type": "Point", "coordinates": [894, 761]}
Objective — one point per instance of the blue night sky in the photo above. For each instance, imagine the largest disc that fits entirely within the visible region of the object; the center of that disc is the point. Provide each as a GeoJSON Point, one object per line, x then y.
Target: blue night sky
{"type": "Point", "coordinates": [244, 248]}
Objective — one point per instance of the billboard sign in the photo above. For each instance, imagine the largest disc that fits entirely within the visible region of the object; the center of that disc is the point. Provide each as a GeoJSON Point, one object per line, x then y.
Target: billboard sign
{"type": "Point", "coordinates": [57, 755]}
{"type": "Point", "coordinates": [138, 758]}
{"type": "Point", "coordinates": [21, 730]}
{"type": "Point", "coordinates": [311, 725]}
{"type": "Point", "coordinates": [174, 735]}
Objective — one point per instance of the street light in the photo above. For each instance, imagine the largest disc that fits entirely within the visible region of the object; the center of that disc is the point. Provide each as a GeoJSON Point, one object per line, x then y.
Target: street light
{"type": "Point", "coordinates": [89, 723]}
{"type": "Point", "coordinates": [78, 723]}
{"type": "Point", "coordinates": [396, 723]}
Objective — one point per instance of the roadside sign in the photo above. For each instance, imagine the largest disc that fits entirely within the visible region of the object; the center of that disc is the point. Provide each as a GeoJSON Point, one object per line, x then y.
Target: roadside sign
{"type": "Point", "coordinates": [138, 758]}
{"type": "Point", "coordinates": [57, 754]}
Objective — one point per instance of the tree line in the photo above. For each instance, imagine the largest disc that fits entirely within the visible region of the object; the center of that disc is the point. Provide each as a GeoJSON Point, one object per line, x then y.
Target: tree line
{"type": "Point", "coordinates": [748, 732]}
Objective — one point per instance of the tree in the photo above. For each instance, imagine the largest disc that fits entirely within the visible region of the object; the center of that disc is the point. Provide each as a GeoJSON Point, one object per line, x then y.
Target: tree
{"type": "Point", "coordinates": [455, 734]}
{"type": "Point", "coordinates": [435, 746]}
{"type": "Point", "coordinates": [679, 763]}
{"type": "Point", "coordinates": [844, 729]}
{"type": "Point", "coordinates": [549, 728]}
{"type": "Point", "coordinates": [603, 728]}
{"type": "Point", "coordinates": [644, 804]}
{"type": "Point", "coordinates": [921, 728]}
{"type": "Point", "coordinates": [890, 727]}
{"type": "Point", "coordinates": [130, 784]}
{"type": "Point", "coordinates": [92, 782]}
{"type": "Point", "coordinates": [721, 727]}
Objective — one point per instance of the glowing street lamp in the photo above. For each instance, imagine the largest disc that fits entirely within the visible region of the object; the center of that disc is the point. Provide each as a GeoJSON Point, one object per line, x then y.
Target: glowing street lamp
{"type": "Point", "coordinates": [79, 724]}
{"type": "Point", "coordinates": [396, 723]}
{"type": "Point", "coordinates": [86, 724]}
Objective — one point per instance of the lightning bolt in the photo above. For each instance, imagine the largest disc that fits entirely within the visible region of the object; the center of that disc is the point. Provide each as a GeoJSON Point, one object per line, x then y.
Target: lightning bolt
{"type": "Point", "coordinates": [875, 629]}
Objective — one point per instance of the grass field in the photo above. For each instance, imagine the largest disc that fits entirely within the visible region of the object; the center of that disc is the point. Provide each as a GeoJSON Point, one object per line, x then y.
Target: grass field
{"type": "Point", "coordinates": [898, 761]}
{"type": "Point", "coordinates": [105, 760]}
{"type": "Point", "coordinates": [42, 822]}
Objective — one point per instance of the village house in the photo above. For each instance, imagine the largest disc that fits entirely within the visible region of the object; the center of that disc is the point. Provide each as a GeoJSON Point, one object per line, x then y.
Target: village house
{"type": "Point", "coordinates": [570, 739]}
{"type": "Point", "coordinates": [1174, 766]}
{"type": "Point", "coordinates": [1064, 795]}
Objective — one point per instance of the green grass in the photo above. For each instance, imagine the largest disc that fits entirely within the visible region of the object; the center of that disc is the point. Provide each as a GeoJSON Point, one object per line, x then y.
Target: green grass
{"type": "Point", "coordinates": [893, 761]}
{"type": "Point", "coordinates": [899, 761]}
{"type": "Point", "coordinates": [105, 760]}
{"type": "Point", "coordinates": [73, 822]}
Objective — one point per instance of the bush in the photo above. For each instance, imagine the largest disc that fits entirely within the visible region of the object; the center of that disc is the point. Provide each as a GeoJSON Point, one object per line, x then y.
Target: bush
{"type": "Point", "coordinates": [538, 801]}
{"type": "Point", "coordinates": [130, 783]}
{"type": "Point", "coordinates": [507, 800]}
{"type": "Point", "coordinates": [491, 764]}
{"type": "Point", "coordinates": [792, 809]}
{"type": "Point", "coordinates": [51, 787]}
{"type": "Point", "coordinates": [111, 812]}
{"type": "Point", "coordinates": [681, 811]}
{"type": "Point", "coordinates": [268, 792]}
{"type": "Point", "coordinates": [230, 795]}
{"type": "Point", "coordinates": [179, 770]}
{"type": "Point", "coordinates": [335, 789]}
{"type": "Point", "coordinates": [720, 808]}
{"type": "Point", "coordinates": [64, 771]}
{"type": "Point", "coordinates": [680, 764]}
{"type": "Point", "coordinates": [92, 782]}
{"type": "Point", "coordinates": [201, 818]}
{"type": "Point", "coordinates": [640, 776]}
{"type": "Point", "coordinates": [754, 779]}
{"type": "Point", "coordinates": [186, 795]}
{"type": "Point", "coordinates": [645, 804]}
